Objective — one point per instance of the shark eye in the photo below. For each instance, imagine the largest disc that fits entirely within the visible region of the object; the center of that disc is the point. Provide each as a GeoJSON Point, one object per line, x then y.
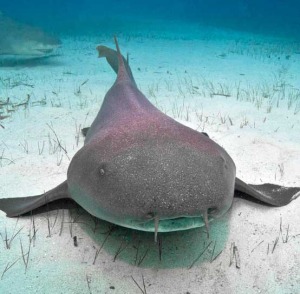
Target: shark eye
{"type": "Point", "coordinates": [102, 170]}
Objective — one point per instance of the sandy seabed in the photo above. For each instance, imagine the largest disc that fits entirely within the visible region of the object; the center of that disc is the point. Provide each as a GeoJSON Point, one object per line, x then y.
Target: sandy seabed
{"type": "Point", "coordinates": [242, 89]}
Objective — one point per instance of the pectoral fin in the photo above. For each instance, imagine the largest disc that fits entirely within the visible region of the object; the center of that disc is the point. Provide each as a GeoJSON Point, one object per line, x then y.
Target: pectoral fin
{"type": "Point", "coordinates": [18, 206]}
{"type": "Point", "coordinates": [268, 193]}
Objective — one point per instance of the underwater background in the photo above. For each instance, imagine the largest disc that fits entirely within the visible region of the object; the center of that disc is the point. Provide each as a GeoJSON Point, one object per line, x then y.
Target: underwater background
{"type": "Point", "coordinates": [260, 16]}
{"type": "Point", "coordinates": [228, 68]}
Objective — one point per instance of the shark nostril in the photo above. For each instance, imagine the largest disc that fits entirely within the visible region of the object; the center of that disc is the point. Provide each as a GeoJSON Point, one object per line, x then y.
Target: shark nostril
{"type": "Point", "coordinates": [212, 210]}
{"type": "Point", "coordinates": [150, 215]}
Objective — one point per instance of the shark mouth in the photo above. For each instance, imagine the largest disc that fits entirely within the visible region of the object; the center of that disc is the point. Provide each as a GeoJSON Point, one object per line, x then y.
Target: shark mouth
{"type": "Point", "coordinates": [46, 51]}
{"type": "Point", "coordinates": [171, 225]}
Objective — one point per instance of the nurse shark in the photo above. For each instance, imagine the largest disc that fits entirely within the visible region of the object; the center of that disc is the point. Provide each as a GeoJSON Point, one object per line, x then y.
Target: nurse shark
{"type": "Point", "coordinates": [24, 41]}
{"type": "Point", "coordinates": [141, 169]}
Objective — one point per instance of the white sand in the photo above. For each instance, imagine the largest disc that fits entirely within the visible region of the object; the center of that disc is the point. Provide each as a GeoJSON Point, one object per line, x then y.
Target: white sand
{"type": "Point", "coordinates": [180, 77]}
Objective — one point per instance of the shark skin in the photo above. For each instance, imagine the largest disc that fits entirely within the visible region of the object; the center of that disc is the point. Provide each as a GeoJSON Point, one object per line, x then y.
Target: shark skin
{"type": "Point", "coordinates": [143, 170]}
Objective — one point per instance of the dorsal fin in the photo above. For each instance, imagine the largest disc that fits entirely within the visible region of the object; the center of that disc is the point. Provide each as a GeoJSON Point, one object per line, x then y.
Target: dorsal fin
{"type": "Point", "coordinates": [112, 57]}
{"type": "Point", "coordinates": [122, 70]}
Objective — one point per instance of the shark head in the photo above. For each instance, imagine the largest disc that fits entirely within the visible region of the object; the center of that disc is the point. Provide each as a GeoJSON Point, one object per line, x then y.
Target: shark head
{"type": "Point", "coordinates": [34, 45]}
{"type": "Point", "coordinates": [135, 182]}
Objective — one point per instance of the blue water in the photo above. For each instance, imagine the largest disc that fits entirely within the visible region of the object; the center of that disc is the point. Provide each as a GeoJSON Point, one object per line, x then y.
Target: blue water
{"type": "Point", "coordinates": [276, 17]}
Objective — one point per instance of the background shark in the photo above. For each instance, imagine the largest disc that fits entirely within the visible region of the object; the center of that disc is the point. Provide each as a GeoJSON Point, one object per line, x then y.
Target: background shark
{"type": "Point", "coordinates": [24, 41]}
